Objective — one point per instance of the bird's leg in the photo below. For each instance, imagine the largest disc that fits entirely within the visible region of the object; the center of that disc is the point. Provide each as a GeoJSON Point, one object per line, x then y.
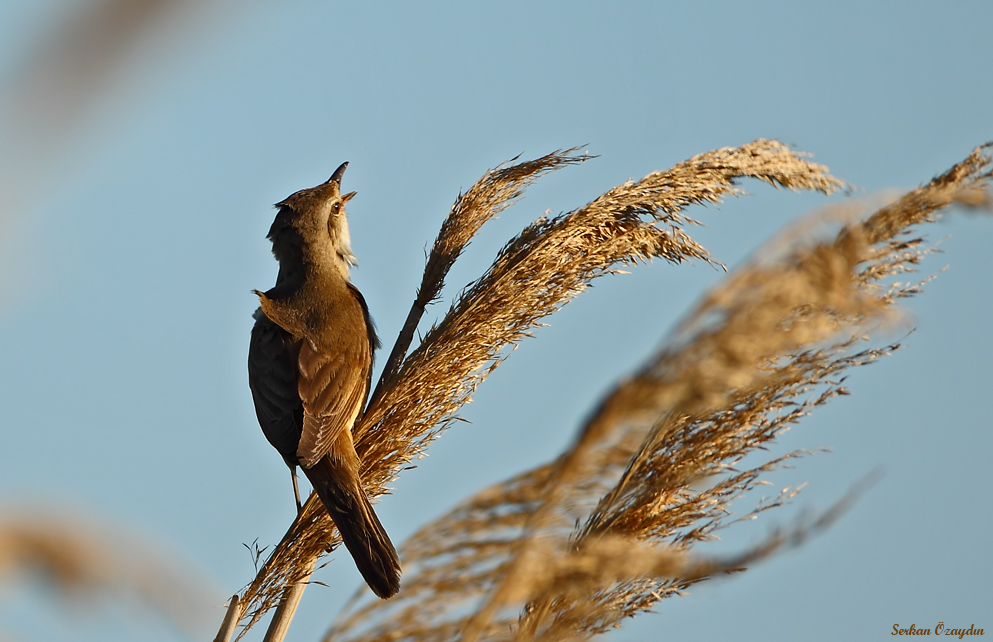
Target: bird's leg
{"type": "Point", "coordinates": [296, 489]}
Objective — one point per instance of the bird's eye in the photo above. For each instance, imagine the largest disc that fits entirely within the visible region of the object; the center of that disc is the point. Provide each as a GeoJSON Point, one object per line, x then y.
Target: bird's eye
{"type": "Point", "coordinates": [335, 209]}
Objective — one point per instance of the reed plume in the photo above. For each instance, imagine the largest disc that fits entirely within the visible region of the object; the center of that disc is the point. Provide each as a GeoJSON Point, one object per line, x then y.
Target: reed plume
{"type": "Point", "coordinates": [82, 562]}
{"type": "Point", "coordinates": [535, 274]}
{"type": "Point", "coordinates": [569, 549]}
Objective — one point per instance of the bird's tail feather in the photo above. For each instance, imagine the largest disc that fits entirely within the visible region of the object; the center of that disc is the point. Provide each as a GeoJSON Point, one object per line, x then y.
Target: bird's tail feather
{"type": "Point", "coordinates": [360, 528]}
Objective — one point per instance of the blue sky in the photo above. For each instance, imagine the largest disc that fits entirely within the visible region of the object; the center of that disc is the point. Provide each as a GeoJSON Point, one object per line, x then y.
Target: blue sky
{"type": "Point", "coordinates": [131, 245]}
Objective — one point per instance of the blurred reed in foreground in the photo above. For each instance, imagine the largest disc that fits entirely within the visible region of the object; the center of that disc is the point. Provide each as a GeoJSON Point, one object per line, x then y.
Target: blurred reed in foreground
{"type": "Point", "coordinates": [84, 563]}
{"type": "Point", "coordinates": [606, 530]}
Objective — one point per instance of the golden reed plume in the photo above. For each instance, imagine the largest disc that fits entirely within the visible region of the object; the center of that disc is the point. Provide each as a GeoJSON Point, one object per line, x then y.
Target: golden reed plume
{"type": "Point", "coordinates": [570, 548]}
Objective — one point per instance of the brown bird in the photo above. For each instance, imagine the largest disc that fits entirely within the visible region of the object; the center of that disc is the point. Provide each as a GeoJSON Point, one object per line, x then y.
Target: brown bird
{"type": "Point", "coordinates": [310, 367]}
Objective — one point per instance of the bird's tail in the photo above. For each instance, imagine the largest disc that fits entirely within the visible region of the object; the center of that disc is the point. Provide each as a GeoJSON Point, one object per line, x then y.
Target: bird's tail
{"type": "Point", "coordinates": [361, 531]}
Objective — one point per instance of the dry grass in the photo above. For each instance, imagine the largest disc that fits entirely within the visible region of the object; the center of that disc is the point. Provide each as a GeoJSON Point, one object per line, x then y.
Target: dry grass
{"type": "Point", "coordinates": [75, 64]}
{"type": "Point", "coordinates": [497, 190]}
{"type": "Point", "coordinates": [82, 563]}
{"type": "Point", "coordinates": [607, 529]}
{"type": "Point", "coordinates": [535, 274]}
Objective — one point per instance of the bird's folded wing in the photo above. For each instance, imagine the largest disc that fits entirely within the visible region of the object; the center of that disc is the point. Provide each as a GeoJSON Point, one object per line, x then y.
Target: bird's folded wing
{"type": "Point", "coordinates": [272, 377]}
{"type": "Point", "coordinates": [333, 387]}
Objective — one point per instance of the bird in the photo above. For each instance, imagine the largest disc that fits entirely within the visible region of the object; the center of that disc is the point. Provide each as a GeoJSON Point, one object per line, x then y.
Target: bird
{"type": "Point", "coordinates": [310, 368]}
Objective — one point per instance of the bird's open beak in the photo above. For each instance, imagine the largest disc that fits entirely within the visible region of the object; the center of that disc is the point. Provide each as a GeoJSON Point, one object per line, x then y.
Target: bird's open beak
{"type": "Point", "coordinates": [347, 197]}
{"type": "Point", "coordinates": [338, 173]}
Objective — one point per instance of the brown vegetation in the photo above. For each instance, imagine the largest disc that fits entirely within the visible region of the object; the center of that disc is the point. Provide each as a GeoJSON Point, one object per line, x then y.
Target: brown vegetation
{"type": "Point", "coordinates": [84, 563]}
{"type": "Point", "coordinates": [653, 471]}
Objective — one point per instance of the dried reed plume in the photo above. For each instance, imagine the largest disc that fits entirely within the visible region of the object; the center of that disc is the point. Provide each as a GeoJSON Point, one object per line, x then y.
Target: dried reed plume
{"type": "Point", "coordinates": [534, 275]}
{"type": "Point", "coordinates": [606, 530]}
{"type": "Point", "coordinates": [64, 79]}
{"type": "Point", "coordinates": [81, 56]}
{"type": "Point", "coordinates": [81, 562]}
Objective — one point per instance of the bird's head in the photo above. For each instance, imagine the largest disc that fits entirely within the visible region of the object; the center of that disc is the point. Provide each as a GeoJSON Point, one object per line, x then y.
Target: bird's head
{"type": "Point", "coordinates": [315, 217]}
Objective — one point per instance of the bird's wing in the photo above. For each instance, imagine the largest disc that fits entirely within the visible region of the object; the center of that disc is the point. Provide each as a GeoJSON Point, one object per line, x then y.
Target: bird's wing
{"type": "Point", "coordinates": [272, 377]}
{"type": "Point", "coordinates": [334, 383]}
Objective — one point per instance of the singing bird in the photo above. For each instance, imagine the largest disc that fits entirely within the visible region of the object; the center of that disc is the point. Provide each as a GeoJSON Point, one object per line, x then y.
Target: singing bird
{"type": "Point", "coordinates": [310, 367]}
